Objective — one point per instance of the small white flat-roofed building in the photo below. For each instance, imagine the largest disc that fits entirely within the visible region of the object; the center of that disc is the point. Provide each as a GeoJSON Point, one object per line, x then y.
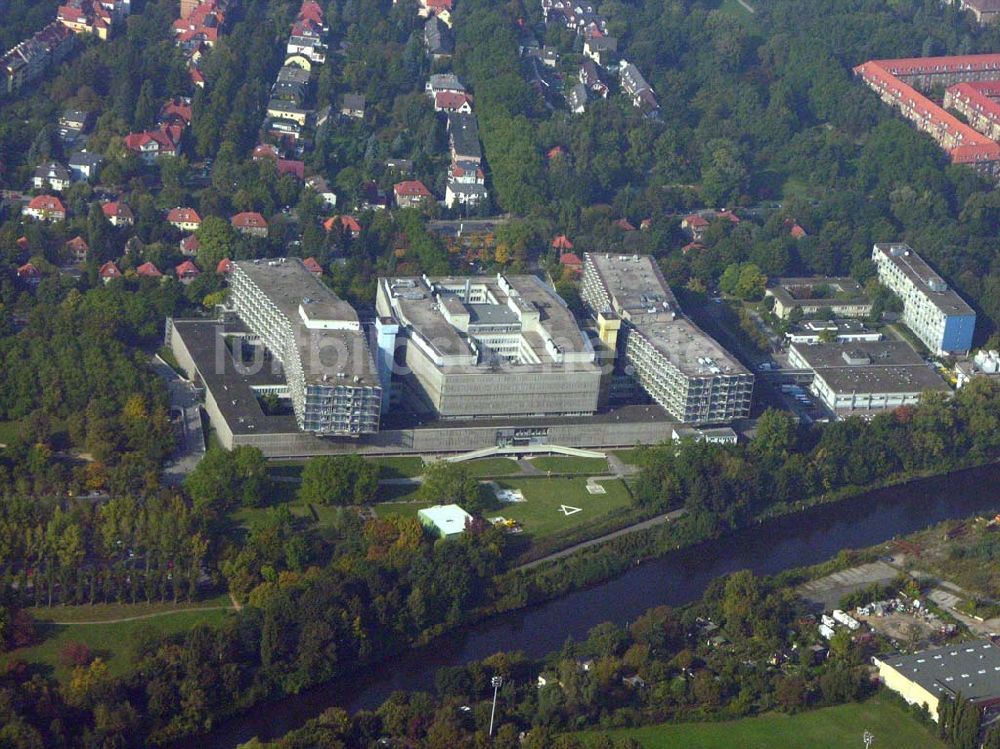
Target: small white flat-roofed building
{"type": "Point", "coordinates": [971, 669]}
{"type": "Point", "coordinates": [445, 521]}
{"type": "Point", "coordinates": [865, 376]}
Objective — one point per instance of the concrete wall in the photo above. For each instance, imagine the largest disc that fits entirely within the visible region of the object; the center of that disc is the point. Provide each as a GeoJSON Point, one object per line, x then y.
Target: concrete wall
{"type": "Point", "coordinates": [456, 440]}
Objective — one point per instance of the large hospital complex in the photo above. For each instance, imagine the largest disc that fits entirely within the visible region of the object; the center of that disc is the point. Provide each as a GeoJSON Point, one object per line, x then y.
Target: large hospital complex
{"type": "Point", "coordinates": [452, 364]}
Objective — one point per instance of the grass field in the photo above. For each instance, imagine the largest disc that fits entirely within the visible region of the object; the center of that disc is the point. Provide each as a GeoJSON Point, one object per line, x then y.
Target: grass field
{"type": "Point", "coordinates": [9, 431]}
{"type": "Point", "coordinates": [487, 467]}
{"type": "Point", "coordinates": [828, 728]}
{"type": "Point", "coordinates": [565, 464]}
{"type": "Point", "coordinates": [541, 515]}
{"type": "Point", "coordinates": [111, 641]}
{"type": "Point", "coordinates": [630, 457]}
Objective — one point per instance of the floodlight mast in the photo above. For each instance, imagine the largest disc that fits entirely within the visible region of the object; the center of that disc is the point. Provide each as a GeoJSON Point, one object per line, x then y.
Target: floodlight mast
{"type": "Point", "coordinates": [496, 681]}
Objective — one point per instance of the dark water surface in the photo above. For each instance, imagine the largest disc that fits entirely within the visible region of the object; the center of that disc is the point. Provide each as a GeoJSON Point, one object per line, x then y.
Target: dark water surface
{"type": "Point", "coordinates": [675, 579]}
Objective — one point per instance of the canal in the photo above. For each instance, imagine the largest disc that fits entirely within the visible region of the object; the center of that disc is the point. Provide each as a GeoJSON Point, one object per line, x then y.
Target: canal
{"type": "Point", "coordinates": [674, 579]}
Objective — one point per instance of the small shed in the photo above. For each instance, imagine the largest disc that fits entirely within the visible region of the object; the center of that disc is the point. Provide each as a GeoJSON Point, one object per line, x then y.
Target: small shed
{"type": "Point", "coordinates": [445, 521]}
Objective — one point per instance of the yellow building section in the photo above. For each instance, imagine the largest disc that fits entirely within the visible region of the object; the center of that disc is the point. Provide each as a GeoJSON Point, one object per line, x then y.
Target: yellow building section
{"type": "Point", "coordinates": [906, 688]}
{"type": "Point", "coordinates": [297, 116]}
{"type": "Point", "coordinates": [299, 60]}
{"type": "Point", "coordinates": [82, 27]}
{"type": "Point", "coordinates": [607, 329]}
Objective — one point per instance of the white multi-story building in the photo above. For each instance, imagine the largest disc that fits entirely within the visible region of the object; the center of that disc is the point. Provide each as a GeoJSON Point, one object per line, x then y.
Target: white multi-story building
{"type": "Point", "coordinates": [937, 315]}
{"type": "Point", "coordinates": [678, 365]}
{"type": "Point", "coordinates": [317, 337]}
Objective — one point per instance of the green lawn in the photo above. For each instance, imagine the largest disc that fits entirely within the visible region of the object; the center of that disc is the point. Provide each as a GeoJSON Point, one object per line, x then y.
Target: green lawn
{"type": "Point", "coordinates": [566, 464]}
{"type": "Point", "coordinates": [487, 467]}
{"type": "Point", "coordinates": [9, 431]}
{"type": "Point", "coordinates": [111, 641]}
{"type": "Point", "coordinates": [384, 509]}
{"type": "Point", "coordinates": [541, 515]}
{"type": "Point", "coordinates": [828, 728]}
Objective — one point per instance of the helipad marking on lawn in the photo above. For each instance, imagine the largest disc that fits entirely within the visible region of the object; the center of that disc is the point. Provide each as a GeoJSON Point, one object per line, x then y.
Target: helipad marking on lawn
{"type": "Point", "coordinates": [567, 510]}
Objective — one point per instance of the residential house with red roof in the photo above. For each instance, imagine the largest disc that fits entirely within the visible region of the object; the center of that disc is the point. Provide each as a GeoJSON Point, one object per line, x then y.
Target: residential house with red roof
{"type": "Point", "coordinates": [45, 208]}
{"type": "Point", "coordinates": [250, 223]}
{"type": "Point", "coordinates": [452, 102]}
{"type": "Point", "coordinates": [148, 270]}
{"type": "Point", "coordinates": [187, 272]}
{"type": "Point", "coordinates": [225, 265]}
{"type": "Point", "coordinates": [108, 272]}
{"type": "Point", "coordinates": [151, 145]}
{"type": "Point", "coordinates": [78, 249]}
{"type": "Point", "coordinates": [29, 274]}
{"type": "Point", "coordinates": [86, 17]}
{"type": "Point", "coordinates": [411, 194]}
{"type": "Point", "coordinates": [189, 246]}
{"type": "Point", "coordinates": [562, 243]}
{"type": "Point", "coordinates": [624, 224]}
{"type": "Point", "coordinates": [571, 263]}
{"type": "Point", "coordinates": [118, 213]}
{"type": "Point", "coordinates": [185, 219]}
{"type": "Point", "coordinates": [350, 224]}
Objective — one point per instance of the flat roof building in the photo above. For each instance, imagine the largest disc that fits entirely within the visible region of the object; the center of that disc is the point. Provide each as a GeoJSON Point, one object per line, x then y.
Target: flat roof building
{"type": "Point", "coordinates": [318, 339]}
{"type": "Point", "coordinates": [865, 375]}
{"type": "Point", "coordinates": [679, 366]}
{"type": "Point", "coordinates": [444, 521]}
{"type": "Point", "coordinates": [936, 314]}
{"type": "Point", "coordinates": [843, 296]}
{"type": "Point", "coordinates": [971, 669]}
{"type": "Point", "coordinates": [485, 346]}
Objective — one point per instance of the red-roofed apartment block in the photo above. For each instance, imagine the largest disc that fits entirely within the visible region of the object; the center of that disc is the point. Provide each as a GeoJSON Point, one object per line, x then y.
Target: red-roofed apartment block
{"type": "Point", "coordinates": [895, 82]}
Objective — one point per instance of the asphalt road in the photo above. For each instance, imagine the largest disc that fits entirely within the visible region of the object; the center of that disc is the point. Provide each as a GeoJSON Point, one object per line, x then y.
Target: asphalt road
{"type": "Point", "coordinates": [191, 446]}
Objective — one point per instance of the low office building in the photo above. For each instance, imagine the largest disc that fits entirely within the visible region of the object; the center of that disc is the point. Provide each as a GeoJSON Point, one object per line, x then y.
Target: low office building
{"type": "Point", "coordinates": [317, 337]}
{"type": "Point", "coordinates": [444, 521]}
{"type": "Point", "coordinates": [936, 314]}
{"type": "Point", "coordinates": [485, 346]}
{"type": "Point", "coordinates": [831, 331]}
{"type": "Point", "coordinates": [844, 297]}
{"type": "Point", "coordinates": [711, 435]}
{"type": "Point", "coordinates": [676, 363]}
{"type": "Point", "coordinates": [969, 669]}
{"type": "Point", "coordinates": [865, 376]}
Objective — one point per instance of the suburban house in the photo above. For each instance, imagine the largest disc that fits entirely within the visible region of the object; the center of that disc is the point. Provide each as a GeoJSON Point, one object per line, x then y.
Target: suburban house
{"type": "Point", "coordinates": [451, 102]}
{"type": "Point", "coordinates": [350, 224]}
{"type": "Point", "coordinates": [411, 194]}
{"type": "Point", "coordinates": [250, 223]}
{"type": "Point", "coordinates": [286, 110]}
{"type": "Point", "coordinates": [601, 49]}
{"type": "Point", "coordinates": [189, 246]}
{"type": "Point", "coordinates": [108, 272]}
{"type": "Point", "coordinates": [571, 263]}
{"type": "Point", "coordinates": [148, 270]}
{"type": "Point", "coordinates": [185, 219]}
{"type": "Point", "coordinates": [78, 249]}
{"type": "Point", "coordinates": [577, 99]}
{"type": "Point", "coordinates": [51, 175]}
{"type": "Point", "coordinates": [150, 145]}
{"type": "Point", "coordinates": [636, 87]}
{"type": "Point", "coordinates": [225, 265]}
{"type": "Point", "coordinates": [353, 106]}
{"type": "Point", "coordinates": [45, 208]}
{"type": "Point", "coordinates": [118, 213]}
{"type": "Point", "coordinates": [438, 39]}
{"type": "Point", "coordinates": [187, 272]}
{"type": "Point", "coordinates": [321, 187]}
{"type": "Point", "coordinates": [29, 274]}
{"type": "Point", "coordinates": [591, 78]}
{"type": "Point", "coordinates": [85, 166]}
{"type": "Point", "coordinates": [312, 266]}
{"type": "Point", "coordinates": [443, 82]}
